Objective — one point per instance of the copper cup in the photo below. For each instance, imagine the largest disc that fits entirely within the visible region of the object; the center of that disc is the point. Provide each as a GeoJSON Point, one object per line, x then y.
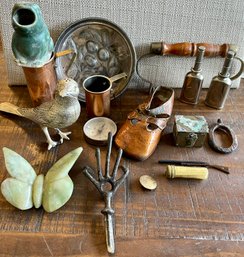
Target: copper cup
{"type": "Point", "coordinates": [41, 82]}
{"type": "Point", "coordinates": [97, 91]}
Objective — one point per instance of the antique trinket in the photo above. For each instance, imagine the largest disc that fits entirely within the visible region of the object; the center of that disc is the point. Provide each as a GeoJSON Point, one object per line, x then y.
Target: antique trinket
{"type": "Point", "coordinates": [25, 189]}
{"type": "Point", "coordinates": [31, 42]}
{"type": "Point", "coordinates": [141, 132]}
{"type": "Point", "coordinates": [193, 80]}
{"type": "Point", "coordinates": [221, 84]}
{"type": "Point", "coordinates": [232, 138]}
{"type": "Point", "coordinates": [190, 131]}
{"type": "Point", "coordinates": [98, 93]}
{"type": "Point", "coordinates": [221, 168]}
{"type": "Point", "coordinates": [107, 185]}
{"type": "Point", "coordinates": [61, 112]}
{"type": "Point", "coordinates": [148, 182]}
{"type": "Point", "coordinates": [33, 50]}
{"type": "Point", "coordinates": [95, 46]}
{"type": "Point", "coordinates": [183, 49]}
{"type": "Point", "coordinates": [41, 82]}
{"type": "Point", "coordinates": [186, 172]}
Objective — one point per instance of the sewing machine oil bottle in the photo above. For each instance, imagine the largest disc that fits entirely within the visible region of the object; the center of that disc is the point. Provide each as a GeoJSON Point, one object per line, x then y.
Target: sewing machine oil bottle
{"type": "Point", "coordinates": [193, 80]}
{"type": "Point", "coordinates": [220, 85]}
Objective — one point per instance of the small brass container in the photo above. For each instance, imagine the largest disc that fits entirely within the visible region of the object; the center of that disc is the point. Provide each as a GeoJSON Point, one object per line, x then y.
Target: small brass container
{"type": "Point", "coordinates": [190, 131]}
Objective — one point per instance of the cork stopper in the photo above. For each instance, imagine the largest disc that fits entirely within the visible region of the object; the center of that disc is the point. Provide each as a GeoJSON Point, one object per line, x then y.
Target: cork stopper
{"type": "Point", "coordinates": [186, 172]}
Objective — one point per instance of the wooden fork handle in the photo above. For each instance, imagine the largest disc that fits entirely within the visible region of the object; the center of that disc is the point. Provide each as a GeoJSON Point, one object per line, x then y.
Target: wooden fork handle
{"type": "Point", "coordinates": [190, 49]}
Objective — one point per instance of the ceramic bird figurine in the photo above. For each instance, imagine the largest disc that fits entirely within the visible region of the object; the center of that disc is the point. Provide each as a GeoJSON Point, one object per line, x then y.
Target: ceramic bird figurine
{"type": "Point", "coordinates": [61, 112]}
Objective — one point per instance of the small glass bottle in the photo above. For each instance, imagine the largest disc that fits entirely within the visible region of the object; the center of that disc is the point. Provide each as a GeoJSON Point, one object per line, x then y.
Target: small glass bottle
{"type": "Point", "coordinates": [193, 80]}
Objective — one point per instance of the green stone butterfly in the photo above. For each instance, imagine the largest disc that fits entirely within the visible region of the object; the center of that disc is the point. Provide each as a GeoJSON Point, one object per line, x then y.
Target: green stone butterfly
{"type": "Point", "coordinates": [25, 189]}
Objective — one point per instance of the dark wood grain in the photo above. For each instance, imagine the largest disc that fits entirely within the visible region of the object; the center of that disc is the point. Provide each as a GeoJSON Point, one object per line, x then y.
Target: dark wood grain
{"type": "Point", "coordinates": [189, 49]}
{"type": "Point", "coordinates": [179, 218]}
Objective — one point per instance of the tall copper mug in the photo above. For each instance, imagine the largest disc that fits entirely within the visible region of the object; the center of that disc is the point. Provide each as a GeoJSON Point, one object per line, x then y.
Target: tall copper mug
{"type": "Point", "coordinates": [98, 92]}
{"type": "Point", "coordinates": [41, 82]}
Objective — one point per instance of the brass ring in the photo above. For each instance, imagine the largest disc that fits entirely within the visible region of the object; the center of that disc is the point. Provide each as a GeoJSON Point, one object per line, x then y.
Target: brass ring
{"type": "Point", "coordinates": [212, 142]}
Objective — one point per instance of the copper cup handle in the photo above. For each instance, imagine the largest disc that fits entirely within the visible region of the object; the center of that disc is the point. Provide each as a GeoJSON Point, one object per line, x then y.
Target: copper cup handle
{"type": "Point", "coordinates": [117, 77]}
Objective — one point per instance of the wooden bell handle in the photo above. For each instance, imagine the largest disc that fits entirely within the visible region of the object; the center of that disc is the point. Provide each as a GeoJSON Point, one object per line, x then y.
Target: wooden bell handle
{"type": "Point", "coordinates": [190, 49]}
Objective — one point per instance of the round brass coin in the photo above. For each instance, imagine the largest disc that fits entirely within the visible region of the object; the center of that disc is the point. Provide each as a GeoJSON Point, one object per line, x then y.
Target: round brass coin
{"type": "Point", "coordinates": [148, 182]}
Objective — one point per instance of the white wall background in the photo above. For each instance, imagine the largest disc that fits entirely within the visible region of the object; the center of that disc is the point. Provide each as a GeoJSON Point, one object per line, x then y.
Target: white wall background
{"type": "Point", "coordinates": [214, 21]}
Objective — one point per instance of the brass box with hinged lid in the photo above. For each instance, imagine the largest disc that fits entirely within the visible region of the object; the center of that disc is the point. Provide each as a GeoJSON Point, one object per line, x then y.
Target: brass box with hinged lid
{"type": "Point", "coordinates": [190, 131]}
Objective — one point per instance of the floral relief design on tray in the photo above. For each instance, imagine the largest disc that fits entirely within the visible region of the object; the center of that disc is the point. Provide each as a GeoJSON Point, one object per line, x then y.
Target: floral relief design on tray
{"type": "Point", "coordinates": [96, 47]}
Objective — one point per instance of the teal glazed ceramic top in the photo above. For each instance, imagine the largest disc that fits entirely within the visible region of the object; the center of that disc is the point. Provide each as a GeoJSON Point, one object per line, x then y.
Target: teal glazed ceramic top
{"type": "Point", "coordinates": [32, 45]}
{"type": "Point", "coordinates": [186, 123]}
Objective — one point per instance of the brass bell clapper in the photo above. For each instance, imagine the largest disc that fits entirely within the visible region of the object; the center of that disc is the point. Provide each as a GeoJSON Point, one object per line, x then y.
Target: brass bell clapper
{"type": "Point", "coordinates": [221, 84]}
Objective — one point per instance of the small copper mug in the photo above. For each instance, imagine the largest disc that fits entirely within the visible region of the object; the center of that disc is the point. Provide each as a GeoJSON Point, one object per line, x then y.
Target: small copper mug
{"type": "Point", "coordinates": [97, 91]}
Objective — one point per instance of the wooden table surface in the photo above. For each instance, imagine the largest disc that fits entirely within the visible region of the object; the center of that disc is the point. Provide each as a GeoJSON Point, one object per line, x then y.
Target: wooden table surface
{"type": "Point", "coordinates": [179, 218]}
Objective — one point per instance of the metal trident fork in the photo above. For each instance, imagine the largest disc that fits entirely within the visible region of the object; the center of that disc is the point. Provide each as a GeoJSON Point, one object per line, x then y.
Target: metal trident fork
{"type": "Point", "coordinates": [107, 185]}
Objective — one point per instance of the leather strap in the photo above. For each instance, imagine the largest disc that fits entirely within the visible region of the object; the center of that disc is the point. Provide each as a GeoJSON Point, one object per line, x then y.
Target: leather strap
{"type": "Point", "coordinates": [159, 122]}
{"type": "Point", "coordinates": [158, 116]}
{"type": "Point", "coordinates": [165, 107]}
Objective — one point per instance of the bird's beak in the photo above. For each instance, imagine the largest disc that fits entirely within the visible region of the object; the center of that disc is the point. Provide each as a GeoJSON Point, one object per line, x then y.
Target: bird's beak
{"type": "Point", "coordinates": [63, 93]}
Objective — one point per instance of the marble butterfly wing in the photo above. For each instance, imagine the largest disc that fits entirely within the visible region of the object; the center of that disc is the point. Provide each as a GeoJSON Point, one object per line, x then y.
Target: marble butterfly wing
{"type": "Point", "coordinates": [24, 188]}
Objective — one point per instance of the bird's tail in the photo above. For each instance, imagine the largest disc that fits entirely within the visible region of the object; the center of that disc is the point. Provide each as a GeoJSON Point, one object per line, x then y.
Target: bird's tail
{"type": "Point", "coordinates": [10, 108]}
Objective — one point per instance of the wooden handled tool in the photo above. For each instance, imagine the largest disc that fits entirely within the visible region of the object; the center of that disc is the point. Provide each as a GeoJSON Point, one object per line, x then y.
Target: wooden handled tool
{"type": "Point", "coordinates": [190, 49]}
{"type": "Point", "coordinates": [196, 164]}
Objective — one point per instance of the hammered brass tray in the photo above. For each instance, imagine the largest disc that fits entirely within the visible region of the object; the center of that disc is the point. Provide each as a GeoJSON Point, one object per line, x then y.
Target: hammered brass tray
{"type": "Point", "coordinates": [95, 46]}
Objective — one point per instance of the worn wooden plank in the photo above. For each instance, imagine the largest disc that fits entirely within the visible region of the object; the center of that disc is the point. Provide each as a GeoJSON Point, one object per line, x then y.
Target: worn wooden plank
{"type": "Point", "coordinates": [180, 218]}
{"type": "Point", "coordinates": [92, 245]}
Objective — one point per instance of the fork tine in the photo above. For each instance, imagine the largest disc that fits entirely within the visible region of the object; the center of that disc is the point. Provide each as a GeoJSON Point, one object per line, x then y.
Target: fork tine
{"type": "Point", "coordinates": [116, 165]}
{"type": "Point", "coordinates": [121, 179]}
{"type": "Point", "coordinates": [110, 140]}
{"type": "Point", "coordinates": [99, 167]}
{"type": "Point", "coordinates": [90, 174]}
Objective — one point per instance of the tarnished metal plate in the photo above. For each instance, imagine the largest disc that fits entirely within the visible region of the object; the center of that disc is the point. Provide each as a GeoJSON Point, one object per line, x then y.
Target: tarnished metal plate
{"type": "Point", "coordinates": [95, 46]}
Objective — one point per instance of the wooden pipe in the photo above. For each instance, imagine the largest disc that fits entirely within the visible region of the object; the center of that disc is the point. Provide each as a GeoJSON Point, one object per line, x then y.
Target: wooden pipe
{"type": "Point", "coordinates": [190, 49]}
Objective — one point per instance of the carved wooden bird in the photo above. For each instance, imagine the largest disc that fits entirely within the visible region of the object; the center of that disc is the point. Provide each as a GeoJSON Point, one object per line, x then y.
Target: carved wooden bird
{"type": "Point", "coordinates": [61, 112]}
